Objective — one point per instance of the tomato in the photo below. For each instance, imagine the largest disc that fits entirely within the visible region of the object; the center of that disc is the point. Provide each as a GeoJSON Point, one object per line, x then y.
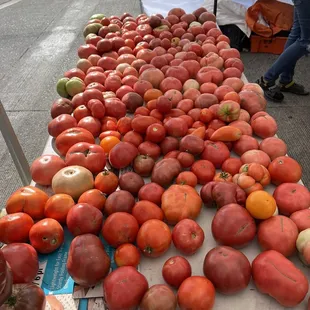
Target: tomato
{"type": "Point", "coordinates": [187, 178]}
{"type": "Point", "coordinates": [84, 219]}
{"type": "Point", "coordinates": [232, 165]}
{"type": "Point", "coordinates": [120, 228]}
{"type": "Point", "coordinates": [90, 156]}
{"type": "Point", "coordinates": [122, 155]}
{"type": "Point", "coordinates": [94, 197]}
{"type": "Point", "coordinates": [215, 152]}
{"type": "Point", "coordinates": [188, 236]}
{"type": "Point", "coordinates": [197, 293]}
{"type": "Point", "coordinates": [127, 255]}
{"type": "Point", "coordinates": [72, 136]}
{"type": "Point", "coordinates": [28, 199]}
{"type": "Point", "coordinates": [73, 180]}
{"type": "Point", "coordinates": [175, 270]}
{"type": "Point", "coordinates": [23, 260]}
{"type": "Point", "coordinates": [60, 123]}
{"type": "Point", "coordinates": [154, 238]}
{"type": "Point", "coordinates": [146, 210]}
{"type": "Point", "coordinates": [25, 296]}
{"type": "Point", "coordinates": [124, 125]}
{"type": "Point", "coordinates": [133, 137]}
{"type": "Point", "coordinates": [45, 167]}
{"type": "Point", "coordinates": [204, 171]}
{"type": "Point", "coordinates": [91, 124]}
{"type": "Point", "coordinates": [80, 112]}
{"type": "Point", "coordinates": [284, 169]}
{"type": "Point", "coordinates": [151, 192]}
{"type": "Point", "coordinates": [58, 206]}
{"type": "Point", "coordinates": [223, 177]}
{"type": "Point", "coordinates": [106, 182]}
{"type": "Point", "coordinates": [108, 143]}
{"type": "Point", "coordinates": [15, 227]}
{"type": "Point", "coordinates": [110, 133]}
{"type": "Point", "coordinates": [46, 236]}
{"type": "Point", "coordinates": [155, 133]}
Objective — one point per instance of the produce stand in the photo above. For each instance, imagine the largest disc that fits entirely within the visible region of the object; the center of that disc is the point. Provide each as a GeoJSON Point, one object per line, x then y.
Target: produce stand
{"type": "Point", "coordinates": [59, 287]}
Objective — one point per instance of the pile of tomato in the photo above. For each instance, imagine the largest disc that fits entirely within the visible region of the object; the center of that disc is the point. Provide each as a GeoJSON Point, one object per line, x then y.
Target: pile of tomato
{"type": "Point", "coordinates": [154, 123]}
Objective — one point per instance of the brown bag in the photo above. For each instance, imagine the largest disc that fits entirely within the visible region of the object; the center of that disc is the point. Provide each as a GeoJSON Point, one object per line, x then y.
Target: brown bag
{"type": "Point", "coordinates": [278, 15]}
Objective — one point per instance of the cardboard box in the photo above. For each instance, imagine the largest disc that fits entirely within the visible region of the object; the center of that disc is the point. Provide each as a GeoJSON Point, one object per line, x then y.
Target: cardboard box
{"type": "Point", "coordinates": [273, 45]}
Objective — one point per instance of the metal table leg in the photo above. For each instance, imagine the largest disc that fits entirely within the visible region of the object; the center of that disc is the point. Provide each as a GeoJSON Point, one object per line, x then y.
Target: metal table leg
{"type": "Point", "coordinates": [14, 147]}
{"type": "Point", "coordinates": [215, 7]}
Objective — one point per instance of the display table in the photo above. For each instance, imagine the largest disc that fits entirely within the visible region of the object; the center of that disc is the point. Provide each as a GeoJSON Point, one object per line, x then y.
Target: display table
{"type": "Point", "coordinates": [249, 299]}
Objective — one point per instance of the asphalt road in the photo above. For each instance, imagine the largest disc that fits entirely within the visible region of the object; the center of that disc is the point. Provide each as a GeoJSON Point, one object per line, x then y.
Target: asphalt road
{"type": "Point", "coordinates": [38, 43]}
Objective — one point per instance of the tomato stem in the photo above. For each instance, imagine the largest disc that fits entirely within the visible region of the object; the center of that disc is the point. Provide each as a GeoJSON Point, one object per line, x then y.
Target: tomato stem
{"type": "Point", "coordinates": [11, 302]}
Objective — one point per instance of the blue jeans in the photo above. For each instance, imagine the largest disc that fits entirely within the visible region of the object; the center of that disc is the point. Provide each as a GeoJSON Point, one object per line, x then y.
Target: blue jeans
{"type": "Point", "coordinates": [297, 45]}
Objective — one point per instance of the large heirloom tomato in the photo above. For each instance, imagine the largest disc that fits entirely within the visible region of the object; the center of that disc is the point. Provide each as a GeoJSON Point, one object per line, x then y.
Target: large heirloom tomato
{"type": "Point", "coordinates": [72, 136]}
{"type": "Point", "coordinates": [46, 236]}
{"type": "Point", "coordinates": [73, 181]}
{"type": "Point", "coordinates": [90, 156]}
{"type": "Point", "coordinates": [15, 227]}
{"type": "Point", "coordinates": [45, 167]}
{"type": "Point", "coordinates": [28, 199]}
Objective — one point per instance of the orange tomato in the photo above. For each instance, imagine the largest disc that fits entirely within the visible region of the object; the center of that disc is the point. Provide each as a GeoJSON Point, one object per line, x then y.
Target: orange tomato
{"type": "Point", "coordinates": [261, 205]}
{"type": "Point", "coordinates": [28, 199]}
{"type": "Point", "coordinates": [106, 182]}
{"type": "Point", "coordinates": [58, 206]}
{"type": "Point", "coordinates": [152, 94]}
{"type": "Point", "coordinates": [94, 197]}
{"type": "Point", "coordinates": [108, 143]}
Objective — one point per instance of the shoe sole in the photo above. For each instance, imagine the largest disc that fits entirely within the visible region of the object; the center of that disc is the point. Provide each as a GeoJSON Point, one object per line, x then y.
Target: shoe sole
{"type": "Point", "coordinates": [288, 91]}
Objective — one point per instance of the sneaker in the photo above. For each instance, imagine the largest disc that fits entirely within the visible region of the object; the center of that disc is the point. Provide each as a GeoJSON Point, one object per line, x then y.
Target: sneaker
{"type": "Point", "coordinates": [271, 90]}
{"type": "Point", "coordinates": [293, 88]}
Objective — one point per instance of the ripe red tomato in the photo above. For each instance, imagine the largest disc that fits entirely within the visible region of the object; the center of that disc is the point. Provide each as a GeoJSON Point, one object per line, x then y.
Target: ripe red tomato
{"type": "Point", "coordinates": [23, 260]}
{"type": "Point", "coordinates": [154, 238]}
{"type": "Point", "coordinates": [120, 228]}
{"type": "Point", "coordinates": [127, 255]}
{"type": "Point", "coordinates": [90, 156]}
{"type": "Point", "coordinates": [28, 199]}
{"type": "Point", "coordinates": [45, 167]}
{"type": "Point", "coordinates": [106, 182]}
{"type": "Point", "coordinates": [197, 293]}
{"type": "Point", "coordinates": [84, 219]}
{"type": "Point", "coordinates": [284, 169]}
{"type": "Point", "coordinates": [188, 236]}
{"type": "Point", "coordinates": [46, 236]}
{"type": "Point", "coordinates": [15, 227]}
{"type": "Point", "coordinates": [72, 136]}
{"type": "Point", "coordinates": [204, 171]}
{"type": "Point", "coordinates": [175, 270]}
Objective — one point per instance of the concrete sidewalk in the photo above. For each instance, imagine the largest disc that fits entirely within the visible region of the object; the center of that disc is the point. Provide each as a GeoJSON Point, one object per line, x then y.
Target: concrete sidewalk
{"type": "Point", "coordinates": [39, 41]}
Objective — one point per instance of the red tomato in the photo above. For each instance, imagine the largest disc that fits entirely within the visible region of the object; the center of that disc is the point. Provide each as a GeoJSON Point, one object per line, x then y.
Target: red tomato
{"type": "Point", "coordinates": [80, 112]}
{"type": "Point", "coordinates": [91, 124]}
{"type": "Point", "coordinates": [60, 123]}
{"type": "Point", "coordinates": [197, 293]}
{"type": "Point", "coordinates": [284, 169]}
{"type": "Point", "coordinates": [120, 228]}
{"type": "Point", "coordinates": [15, 227]}
{"type": "Point", "coordinates": [204, 171]}
{"type": "Point", "coordinates": [72, 136]}
{"type": "Point", "coordinates": [127, 255]}
{"type": "Point", "coordinates": [45, 167]}
{"type": "Point", "coordinates": [28, 199]}
{"type": "Point", "coordinates": [46, 236]}
{"type": "Point", "coordinates": [154, 238]}
{"type": "Point", "coordinates": [188, 236]}
{"type": "Point", "coordinates": [106, 182]}
{"type": "Point", "coordinates": [232, 165]}
{"type": "Point", "coordinates": [175, 270]}
{"type": "Point", "coordinates": [23, 260]}
{"type": "Point", "coordinates": [90, 156]}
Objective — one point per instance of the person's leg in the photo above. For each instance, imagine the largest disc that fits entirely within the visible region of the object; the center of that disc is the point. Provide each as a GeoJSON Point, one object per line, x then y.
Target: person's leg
{"type": "Point", "coordinates": [295, 33]}
{"type": "Point", "coordinates": [288, 59]}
